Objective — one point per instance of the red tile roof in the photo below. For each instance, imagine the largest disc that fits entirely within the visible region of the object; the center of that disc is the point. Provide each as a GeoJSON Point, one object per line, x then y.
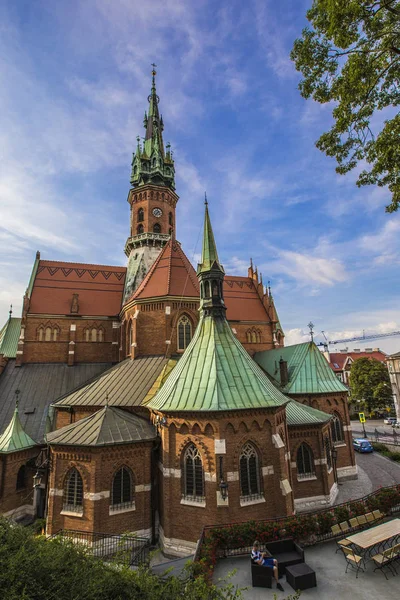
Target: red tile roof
{"type": "Point", "coordinates": [338, 359]}
{"type": "Point", "coordinates": [242, 300]}
{"type": "Point", "coordinates": [171, 275]}
{"type": "Point", "coordinates": [100, 288]}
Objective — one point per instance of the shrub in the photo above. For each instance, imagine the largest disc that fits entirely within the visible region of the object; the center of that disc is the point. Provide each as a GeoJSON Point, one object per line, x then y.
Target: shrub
{"type": "Point", "coordinates": [379, 447]}
{"type": "Point", "coordinates": [341, 513]}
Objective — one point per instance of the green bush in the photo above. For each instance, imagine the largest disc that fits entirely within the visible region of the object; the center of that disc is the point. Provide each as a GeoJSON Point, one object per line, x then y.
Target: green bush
{"type": "Point", "coordinates": [33, 568]}
{"type": "Point", "coordinates": [379, 447]}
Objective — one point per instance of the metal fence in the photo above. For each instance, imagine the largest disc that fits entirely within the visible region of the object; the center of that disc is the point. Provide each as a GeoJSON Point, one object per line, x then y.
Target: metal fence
{"type": "Point", "coordinates": [122, 549]}
{"type": "Point", "coordinates": [386, 438]}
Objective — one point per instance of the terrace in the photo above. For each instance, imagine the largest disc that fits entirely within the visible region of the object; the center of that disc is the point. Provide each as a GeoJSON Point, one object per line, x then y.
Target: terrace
{"type": "Point", "coordinates": [226, 548]}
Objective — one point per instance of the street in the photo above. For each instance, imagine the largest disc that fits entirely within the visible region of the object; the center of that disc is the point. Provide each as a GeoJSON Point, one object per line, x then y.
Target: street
{"type": "Point", "coordinates": [371, 425]}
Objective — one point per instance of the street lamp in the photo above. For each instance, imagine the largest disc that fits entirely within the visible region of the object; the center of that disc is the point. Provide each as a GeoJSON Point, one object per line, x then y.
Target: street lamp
{"type": "Point", "coordinates": [334, 454]}
{"type": "Point", "coordinates": [223, 485]}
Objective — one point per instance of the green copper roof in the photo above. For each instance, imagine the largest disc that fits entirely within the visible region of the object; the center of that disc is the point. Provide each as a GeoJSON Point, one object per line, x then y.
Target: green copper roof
{"type": "Point", "coordinates": [108, 426]}
{"type": "Point", "coordinates": [33, 275]}
{"type": "Point", "coordinates": [209, 255]}
{"type": "Point", "coordinates": [308, 370]}
{"type": "Point", "coordinates": [300, 414]}
{"type": "Point", "coordinates": [216, 374]}
{"type": "Point", "coordinates": [9, 336]}
{"type": "Point", "coordinates": [14, 438]}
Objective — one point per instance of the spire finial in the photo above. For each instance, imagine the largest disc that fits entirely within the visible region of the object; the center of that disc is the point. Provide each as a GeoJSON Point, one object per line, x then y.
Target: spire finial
{"type": "Point", "coordinates": [153, 74]}
{"type": "Point", "coordinates": [311, 328]}
{"type": "Point", "coordinates": [10, 311]}
{"type": "Point", "coordinates": [269, 288]}
{"type": "Point", "coordinates": [205, 199]}
{"type": "Point", "coordinates": [107, 400]}
{"type": "Point", "coordinates": [17, 393]}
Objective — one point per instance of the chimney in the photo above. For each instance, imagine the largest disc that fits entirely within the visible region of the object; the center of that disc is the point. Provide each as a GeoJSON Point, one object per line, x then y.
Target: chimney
{"type": "Point", "coordinates": [284, 372]}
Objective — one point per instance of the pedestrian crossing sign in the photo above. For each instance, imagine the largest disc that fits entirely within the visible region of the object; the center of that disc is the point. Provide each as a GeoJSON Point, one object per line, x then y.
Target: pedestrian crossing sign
{"type": "Point", "coordinates": [362, 417]}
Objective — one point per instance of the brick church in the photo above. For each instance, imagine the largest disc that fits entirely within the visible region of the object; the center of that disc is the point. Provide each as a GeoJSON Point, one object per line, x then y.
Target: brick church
{"type": "Point", "coordinates": [157, 399]}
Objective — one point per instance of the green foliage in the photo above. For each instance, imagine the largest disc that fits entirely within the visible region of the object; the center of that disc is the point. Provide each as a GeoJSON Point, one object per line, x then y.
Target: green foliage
{"type": "Point", "coordinates": [33, 568]}
{"type": "Point", "coordinates": [386, 452]}
{"type": "Point", "coordinates": [370, 383]}
{"type": "Point", "coordinates": [351, 57]}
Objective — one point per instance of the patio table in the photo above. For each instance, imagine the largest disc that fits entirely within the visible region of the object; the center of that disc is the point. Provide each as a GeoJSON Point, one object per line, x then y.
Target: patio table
{"type": "Point", "coordinates": [379, 535]}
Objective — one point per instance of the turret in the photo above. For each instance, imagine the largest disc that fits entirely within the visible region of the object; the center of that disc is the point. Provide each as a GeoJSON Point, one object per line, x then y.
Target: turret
{"type": "Point", "coordinates": [210, 273]}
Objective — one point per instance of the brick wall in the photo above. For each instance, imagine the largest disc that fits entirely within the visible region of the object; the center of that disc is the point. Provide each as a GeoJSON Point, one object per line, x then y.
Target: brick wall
{"type": "Point", "coordinates": [11, 498]}
{"type": "Point", "coordinates": [97, 467]}
{"type": "Point", "coordinates": [184, 522]}
{"type": "Point", "coordinates": [69, 341]}
{"type": "Point", "coordinates": [148, 198]}
{"type": "Point", "coordinates": [336, 403]}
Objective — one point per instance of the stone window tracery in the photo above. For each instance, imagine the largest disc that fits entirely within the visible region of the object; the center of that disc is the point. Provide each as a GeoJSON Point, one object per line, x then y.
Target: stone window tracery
{"type": "Point", "coordinates": [21, 478]}
{"type": "Point", "coordinates": [184, 331]}
{"type": "Point", "coordinates": [193, 475]}
{"type": "Point", "coordinates": [50, 333]}
{"type": "Point", "coordinates": [73, 491]}
{"type": "Point", "coordinates": [122, 495]}
{"type": "Point", "coordinates": [249, 472]}
{"type": "Point", "coordinates": [337, 429]}
{"type": "Point", "coordinates": [253, 336]}
{"type": "Point", "coordinates": [305, 461]}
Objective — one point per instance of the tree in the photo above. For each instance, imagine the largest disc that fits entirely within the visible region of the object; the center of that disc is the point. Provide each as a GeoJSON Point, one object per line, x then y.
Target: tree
{"type": "Point", "coordinates": [370, 383]}
{"type": "Point", "coordinates": [33, 568]}
{"type": "Point", "coordinates": [351, 57]}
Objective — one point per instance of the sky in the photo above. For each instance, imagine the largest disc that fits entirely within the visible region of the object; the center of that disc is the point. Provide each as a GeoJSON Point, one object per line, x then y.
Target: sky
{"type": "Point", "coordinates": [74, 81]}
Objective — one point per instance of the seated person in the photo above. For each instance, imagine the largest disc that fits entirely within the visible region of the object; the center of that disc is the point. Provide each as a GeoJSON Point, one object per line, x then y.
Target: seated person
{"type": "Point", "coordinates": [261, 558]}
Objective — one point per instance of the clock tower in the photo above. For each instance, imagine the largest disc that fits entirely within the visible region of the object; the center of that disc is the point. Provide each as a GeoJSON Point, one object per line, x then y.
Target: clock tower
{"type": "Point", "coordinates": [152, 197]}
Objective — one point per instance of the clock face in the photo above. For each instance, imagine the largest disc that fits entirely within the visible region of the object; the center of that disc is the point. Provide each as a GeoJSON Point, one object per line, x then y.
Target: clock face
{"type": "Point", "coordinates": [157, 212]}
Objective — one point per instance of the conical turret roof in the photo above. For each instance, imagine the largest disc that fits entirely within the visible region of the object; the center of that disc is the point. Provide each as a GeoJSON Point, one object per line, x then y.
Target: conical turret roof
{"type": "Point", "coordinates": [209, 255]}
{"type": "Point", "coordinates": [215, 373]}
{"type": "Point", "coordinates": [14, 437]}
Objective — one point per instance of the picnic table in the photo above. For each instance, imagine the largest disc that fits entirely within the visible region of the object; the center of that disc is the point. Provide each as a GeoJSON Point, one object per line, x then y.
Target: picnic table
{"type": "Point", "coordinates": [376, 538]}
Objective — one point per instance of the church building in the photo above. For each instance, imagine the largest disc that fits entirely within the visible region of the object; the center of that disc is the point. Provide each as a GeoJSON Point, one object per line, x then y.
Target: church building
{"type": "Point", "coordinates": [154, 399]}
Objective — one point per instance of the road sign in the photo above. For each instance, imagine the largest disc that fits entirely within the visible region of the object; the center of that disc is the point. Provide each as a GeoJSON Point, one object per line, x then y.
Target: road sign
{"type": "Point", "coordinates": [361, 417]}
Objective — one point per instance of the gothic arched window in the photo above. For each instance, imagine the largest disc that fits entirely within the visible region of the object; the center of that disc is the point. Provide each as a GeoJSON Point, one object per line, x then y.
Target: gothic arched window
{"type": "Point", "coordinates": [170, 219]}
{"type": "Point", "coordinates": [47, 335]}
{"type": "Point", "coordinates": [73, 491]}
{"type": "Point", "coordinates": [100, 335]}
{"type": "Point", "coordinates": [41, 334]}
{"type": "Point", "coordinates": [305, 461]}
{"type": "Point", "coordinates": [140, 229]}
{"type": "Point", "coordinates": [122, 488]}
{"type": "Point", "coordinates": [93, 335]}
{"type": "Point", "coordinates": [21, 478]}
{"type": "Point", "coordinates": [249, 471]}
{"type": "Point", "coordinates": [140, 215]}
{"type": "Point", "coordinates": [184, 332]}
{"type": "Point", "coordinates": [156, 228]}
{"type": "Point", "coordinates": [193, 474]}
{"type": "Point", "coordinates": [337, 429]}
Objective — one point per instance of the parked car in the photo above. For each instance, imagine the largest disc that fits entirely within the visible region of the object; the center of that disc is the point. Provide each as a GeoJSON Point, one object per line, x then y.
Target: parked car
{"type": "Point", "coordinates": [389, 420]}
{"type": "Point", "coordinates": [362, 445]}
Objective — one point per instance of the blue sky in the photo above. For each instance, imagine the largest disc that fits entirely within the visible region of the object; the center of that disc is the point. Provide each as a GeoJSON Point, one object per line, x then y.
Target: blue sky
{"type": "Point", "coordinates": [74, 81]}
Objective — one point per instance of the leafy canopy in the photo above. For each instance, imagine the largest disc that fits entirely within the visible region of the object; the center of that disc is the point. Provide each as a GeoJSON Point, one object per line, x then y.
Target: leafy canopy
{"type": "Point", "coordinates": [370, 383]}
{"type": "Point", "coordinates": [351, 57]}
{"type": "Point", "coordinates": [33, 568]}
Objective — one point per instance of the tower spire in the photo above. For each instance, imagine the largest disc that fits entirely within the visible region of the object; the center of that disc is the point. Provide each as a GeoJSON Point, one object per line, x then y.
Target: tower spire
{"type": "Point", "coordinates": [153, 164]}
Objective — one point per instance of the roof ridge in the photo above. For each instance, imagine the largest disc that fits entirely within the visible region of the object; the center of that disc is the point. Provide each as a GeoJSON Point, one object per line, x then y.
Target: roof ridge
{"type": "Point", "coordinates": [146, 280]}
{"type": "Point", "coordinates": [189, 267]}
{"type": "Point", "coordinates": [67, 262]}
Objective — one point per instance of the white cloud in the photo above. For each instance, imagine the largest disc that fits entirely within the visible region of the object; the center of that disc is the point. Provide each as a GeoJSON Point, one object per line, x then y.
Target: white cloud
{"type": "Point", "coordinates": [307, 268]}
